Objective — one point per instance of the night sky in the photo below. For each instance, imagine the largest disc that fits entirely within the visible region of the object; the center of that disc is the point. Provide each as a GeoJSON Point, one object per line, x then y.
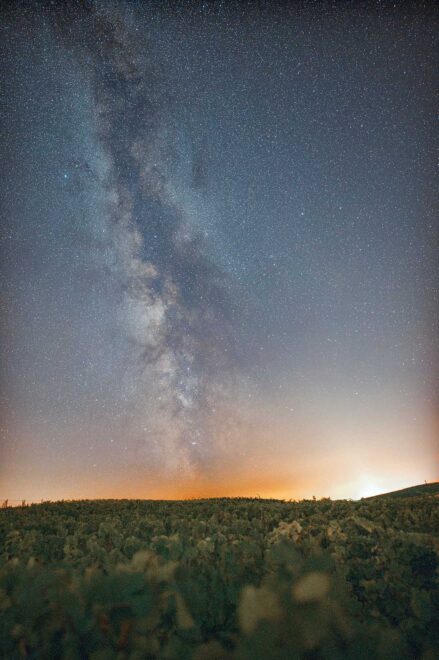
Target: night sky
{"type": "Point", "coordinates": [218, 249]}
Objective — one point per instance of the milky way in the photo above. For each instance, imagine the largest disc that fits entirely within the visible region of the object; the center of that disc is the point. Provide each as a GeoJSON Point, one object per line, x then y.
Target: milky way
{"type": "Point", "coordinates": [218, 247]}
{"type": "Point", "coordinates": [175, 309]}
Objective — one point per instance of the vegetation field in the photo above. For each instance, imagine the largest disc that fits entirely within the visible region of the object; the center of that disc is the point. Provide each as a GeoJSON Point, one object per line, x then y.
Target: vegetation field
{"type": "Point", "coordinates": [243, 579]}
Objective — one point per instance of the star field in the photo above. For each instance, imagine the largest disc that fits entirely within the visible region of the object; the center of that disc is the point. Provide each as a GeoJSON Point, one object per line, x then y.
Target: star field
{"type": "Point", "coordinates": [219, 248]}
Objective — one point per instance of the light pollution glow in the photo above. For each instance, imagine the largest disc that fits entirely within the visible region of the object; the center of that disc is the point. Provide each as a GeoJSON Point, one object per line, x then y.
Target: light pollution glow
{"type": "Point", "coordinates": [380, 464]}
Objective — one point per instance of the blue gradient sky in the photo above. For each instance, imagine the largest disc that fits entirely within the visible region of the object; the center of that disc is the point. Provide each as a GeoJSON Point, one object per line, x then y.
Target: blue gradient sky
{"type": "Point", "coordinates": [218, 249]}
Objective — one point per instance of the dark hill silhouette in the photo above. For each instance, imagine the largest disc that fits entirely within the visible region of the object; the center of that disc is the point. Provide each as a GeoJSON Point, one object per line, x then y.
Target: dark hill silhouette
{"type": "Point", "coordinates": [412, 491]}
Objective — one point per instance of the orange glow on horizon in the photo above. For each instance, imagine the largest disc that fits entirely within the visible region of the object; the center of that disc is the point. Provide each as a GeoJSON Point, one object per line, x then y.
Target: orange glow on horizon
{"type": "Point", "coordinates": [268, 487]}
{"type": "Point", "coordinates": [327, 459]}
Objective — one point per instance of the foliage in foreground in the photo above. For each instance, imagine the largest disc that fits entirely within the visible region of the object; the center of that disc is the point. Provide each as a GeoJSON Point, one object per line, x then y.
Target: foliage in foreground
{"type": "Point", "coordinates": [221, 579]}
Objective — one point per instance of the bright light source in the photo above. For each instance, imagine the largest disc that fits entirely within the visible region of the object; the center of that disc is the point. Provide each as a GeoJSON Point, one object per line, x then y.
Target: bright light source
{"type": "Point", "coordinates": [368, 488]}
